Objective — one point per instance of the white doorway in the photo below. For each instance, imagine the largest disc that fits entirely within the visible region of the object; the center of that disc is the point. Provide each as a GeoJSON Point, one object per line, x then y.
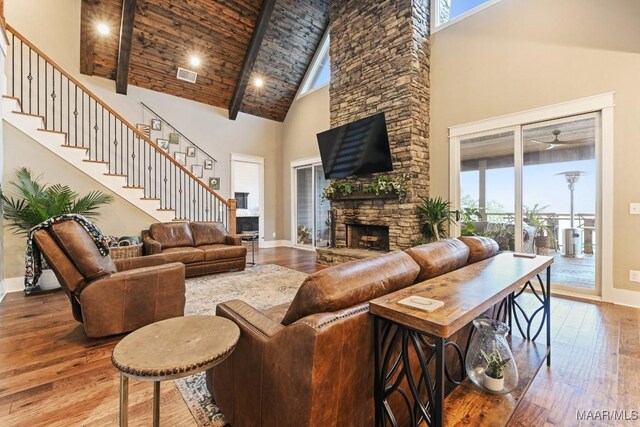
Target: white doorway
{"type": "Point", "coordinates": [247, 187]}
{"type": "Point", "coordinates": [533, 182]}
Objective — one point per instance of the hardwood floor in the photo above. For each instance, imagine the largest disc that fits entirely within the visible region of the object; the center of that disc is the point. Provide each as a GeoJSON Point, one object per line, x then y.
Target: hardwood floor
{"type": "Point", "coordinates": [52, 375]}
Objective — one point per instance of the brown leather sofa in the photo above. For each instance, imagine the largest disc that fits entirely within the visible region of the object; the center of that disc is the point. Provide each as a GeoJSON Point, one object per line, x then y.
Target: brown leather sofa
{"type": "Point", "coordinates": [310, 362]}
{"type": "Point", "coordinates": [111, 297]}
{"type": "Point", "coordinates": [203, 247]}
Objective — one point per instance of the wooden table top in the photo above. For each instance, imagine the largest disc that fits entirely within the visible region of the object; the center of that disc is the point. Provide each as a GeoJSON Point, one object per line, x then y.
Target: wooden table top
{"type": "Point", "coordinates": [467, 293]}
{"type": "Point", "coordinates": [176, 347]}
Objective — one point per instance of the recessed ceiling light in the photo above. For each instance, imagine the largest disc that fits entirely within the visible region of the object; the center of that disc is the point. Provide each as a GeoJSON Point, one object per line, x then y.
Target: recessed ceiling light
{"type": "Point", "coordinates": [195, 61]}
{"type": "Point", "coordinates": [103, 29]}
{"type": "Point", "coordinates": [258, 82]}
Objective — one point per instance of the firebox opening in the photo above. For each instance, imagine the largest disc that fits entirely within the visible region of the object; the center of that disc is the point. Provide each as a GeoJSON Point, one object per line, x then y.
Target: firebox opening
{"type": "Point", "coordinates": [364, 236]}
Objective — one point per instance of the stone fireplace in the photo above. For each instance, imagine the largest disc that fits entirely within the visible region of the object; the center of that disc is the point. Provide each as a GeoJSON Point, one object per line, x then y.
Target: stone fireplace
{"type": "Point", "coordinates": [380, 63]}
{"type": "Point", "coordinates": [366, 236]}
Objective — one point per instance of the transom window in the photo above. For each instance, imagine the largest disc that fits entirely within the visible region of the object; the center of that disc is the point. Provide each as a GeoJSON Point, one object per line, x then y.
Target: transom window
{"type": "Point", "coordinates": [447, 11]}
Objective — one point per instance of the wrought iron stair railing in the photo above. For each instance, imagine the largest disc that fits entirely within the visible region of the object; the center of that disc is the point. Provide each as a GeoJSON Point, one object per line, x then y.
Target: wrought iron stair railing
{"type": "Point", "coordinates": [66, 106]}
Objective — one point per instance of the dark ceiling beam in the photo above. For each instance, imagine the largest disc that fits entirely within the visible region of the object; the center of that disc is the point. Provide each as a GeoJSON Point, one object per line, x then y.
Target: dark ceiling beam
{"type": "Point", "coordinates": [250, 57]}
{"type": "Point", "coordinates": [124, 49]}
{"type": "Point", "coordinates": [87, 37]}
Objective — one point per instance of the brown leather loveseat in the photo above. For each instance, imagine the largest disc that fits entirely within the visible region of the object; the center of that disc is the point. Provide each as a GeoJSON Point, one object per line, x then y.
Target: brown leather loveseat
{"type": "Point", "coordinates": [310, 362]}
{"type": "Point", "coordinates": [203, 247]}
{"type": "Point", "coordinates": [111, 297]}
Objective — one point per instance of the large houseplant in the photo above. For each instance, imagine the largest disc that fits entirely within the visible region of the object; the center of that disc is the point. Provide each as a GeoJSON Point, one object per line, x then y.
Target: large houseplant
{"type": "Point", "coordinates": [435, 215]}
{"type": "Point", "coordinates": [545, 236]}
{"type": "Point", "coordinates": [34, 202]}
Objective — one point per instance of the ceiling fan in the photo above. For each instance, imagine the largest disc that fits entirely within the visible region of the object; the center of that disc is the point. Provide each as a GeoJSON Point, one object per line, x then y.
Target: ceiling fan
{"type": "Point", "coordinates": [556, 142]}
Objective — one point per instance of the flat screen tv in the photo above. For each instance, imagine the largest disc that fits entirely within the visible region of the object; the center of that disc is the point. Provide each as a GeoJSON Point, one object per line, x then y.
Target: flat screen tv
{"type": "Point", "coordinates": [358, 148]}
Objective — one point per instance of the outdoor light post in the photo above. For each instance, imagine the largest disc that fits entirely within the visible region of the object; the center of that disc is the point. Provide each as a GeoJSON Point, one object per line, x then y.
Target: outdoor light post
{"type": "Point", "coordinates": [572, 236]}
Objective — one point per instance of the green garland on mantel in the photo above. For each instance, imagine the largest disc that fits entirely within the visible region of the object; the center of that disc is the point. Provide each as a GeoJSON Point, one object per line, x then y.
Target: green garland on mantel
{"type": "Point", "coordinates": [379, 185]}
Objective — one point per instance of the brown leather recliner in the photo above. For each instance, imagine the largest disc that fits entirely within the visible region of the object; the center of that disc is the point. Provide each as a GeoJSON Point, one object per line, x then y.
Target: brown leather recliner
{"type": "Point", "coordinates": [111, 297]}
{"type": "Point", "coordinates": [203, 247]}
{"type": "Point", "coordinates": [310, 363]}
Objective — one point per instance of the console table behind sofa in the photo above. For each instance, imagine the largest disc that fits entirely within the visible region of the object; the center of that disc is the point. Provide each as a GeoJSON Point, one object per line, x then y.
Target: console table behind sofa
{"type": "Point", "coordinates": [467, 293]}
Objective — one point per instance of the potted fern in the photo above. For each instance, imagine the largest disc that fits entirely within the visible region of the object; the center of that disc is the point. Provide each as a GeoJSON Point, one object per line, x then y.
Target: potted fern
{"type": "Point", "coordinates": [494, 371]}
{"type": "Point", "coordinates": [33, 202]}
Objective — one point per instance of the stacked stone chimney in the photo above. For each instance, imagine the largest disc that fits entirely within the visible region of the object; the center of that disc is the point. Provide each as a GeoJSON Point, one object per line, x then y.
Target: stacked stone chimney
{"type": "Point", "coordinates": [380, 63]}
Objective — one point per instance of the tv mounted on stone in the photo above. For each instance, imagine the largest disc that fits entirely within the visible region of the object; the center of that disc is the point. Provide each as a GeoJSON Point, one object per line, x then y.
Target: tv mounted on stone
{"type": "Point", "coordinates": [357, 148]}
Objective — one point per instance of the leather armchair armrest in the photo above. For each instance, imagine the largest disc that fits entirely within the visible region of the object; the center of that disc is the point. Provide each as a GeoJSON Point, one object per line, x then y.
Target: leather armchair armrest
{"type": "Point", "coordinates": [128, 300]}
{"type": "Point", "coordinates": [233, 239]}
{"type": "Point", "coordinates": [250, 321]}
{"type": "Point", "coordinates": [140, 262]}
{"type": "Point", "coordinates": [151, 246]}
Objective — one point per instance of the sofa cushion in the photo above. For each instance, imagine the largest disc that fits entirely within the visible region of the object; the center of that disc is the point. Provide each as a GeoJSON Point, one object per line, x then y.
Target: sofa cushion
{"type": "Point", "coordinates": [185, 255]}
{"type": "Point", "coordinates": [352, 283]}
{"type": "Point", "coordinates": [439, 257]}
{"type": "Point", "coordinates": [479, 247]}
{"type": "Point", "coordinates": [66, 272]}
{"type": "Point", "coordinates": [208, 233]}
{"type": "Point", "coordinates": [277, 312]}
{"type": "Point", "coordinates": [171, 234]}
{"type": "Point", "coordinates": [81, 250]}
{"type": "Point", "coordinates": [220, 252]}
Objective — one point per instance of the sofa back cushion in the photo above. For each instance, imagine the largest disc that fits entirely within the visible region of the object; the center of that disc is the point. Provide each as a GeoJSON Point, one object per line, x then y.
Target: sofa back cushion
{"type": "Point", "coordinates": [352, 283]}
{"type": "Point", "coordinates": [208, 233]}
{"type": "Point", "coordinates": [439, 257]}
{"type": "Point", "coordinates": [66, 272]}
{"type": "Point", "coordinates": [80, 248]}
{"type": "Point", "coordinates": [479, 247]}
{"type": "Point", "coordinates": [171, 234]}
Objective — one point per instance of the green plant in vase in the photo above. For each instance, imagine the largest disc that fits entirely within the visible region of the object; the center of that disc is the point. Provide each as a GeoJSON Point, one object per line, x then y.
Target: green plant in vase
{"type": "Point", "coordinates": [545, 235]}
{"type": "Point", "coordinates": [494, 371]}
{"type": "Point", "coordinates": [33, 202]}
{"type": "Point", "coordinates": [435, 215]}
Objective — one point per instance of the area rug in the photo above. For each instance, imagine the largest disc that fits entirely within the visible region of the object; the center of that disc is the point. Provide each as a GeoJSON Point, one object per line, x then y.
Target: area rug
{"type": "Point", "coordinates": [261, 286]}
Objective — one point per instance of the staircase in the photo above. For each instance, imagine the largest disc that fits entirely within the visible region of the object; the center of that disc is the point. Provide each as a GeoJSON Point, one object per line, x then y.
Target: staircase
{"type": "Point", "coordinates": [56, 110]}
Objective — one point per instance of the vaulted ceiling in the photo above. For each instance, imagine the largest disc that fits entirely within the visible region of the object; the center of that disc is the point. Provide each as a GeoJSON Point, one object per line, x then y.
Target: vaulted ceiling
{"type": "Point", "coordinates": [237, 41]}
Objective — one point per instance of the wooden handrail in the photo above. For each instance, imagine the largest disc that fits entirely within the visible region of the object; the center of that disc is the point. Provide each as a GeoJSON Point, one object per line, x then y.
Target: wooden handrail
{"type": "Point", "coordinates": [104, 105]}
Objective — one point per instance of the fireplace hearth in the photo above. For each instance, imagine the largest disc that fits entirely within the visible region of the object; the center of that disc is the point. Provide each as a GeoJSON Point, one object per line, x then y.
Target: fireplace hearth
{"type": "Point", "coordinates": [365, 236]}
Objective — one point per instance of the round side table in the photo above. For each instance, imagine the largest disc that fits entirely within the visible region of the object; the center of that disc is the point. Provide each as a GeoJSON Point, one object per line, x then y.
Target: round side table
{"type": "Point", "coordinates": [170, 349]}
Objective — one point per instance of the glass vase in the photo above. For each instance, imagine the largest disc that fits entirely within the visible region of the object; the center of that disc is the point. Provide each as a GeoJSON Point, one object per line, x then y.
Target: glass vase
{"type": "Point", "coordinates": [489, 361]}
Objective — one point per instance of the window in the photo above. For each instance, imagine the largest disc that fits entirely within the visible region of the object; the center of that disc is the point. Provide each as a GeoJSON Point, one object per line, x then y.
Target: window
{"type": "Point", "coordinates": [319, 72]}
{"type": "Point", "coordinates": [454, 10]}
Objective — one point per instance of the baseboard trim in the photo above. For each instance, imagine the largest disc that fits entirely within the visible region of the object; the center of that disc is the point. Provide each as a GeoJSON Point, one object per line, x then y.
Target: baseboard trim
{"type": "Point", "coordinates": [14, 284]}
{"type": "Point", "coordinates": [274, 244]}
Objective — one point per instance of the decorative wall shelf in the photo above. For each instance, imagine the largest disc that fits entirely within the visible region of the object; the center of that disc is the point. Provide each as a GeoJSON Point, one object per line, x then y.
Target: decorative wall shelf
{"type": "Point", "coordinates": [361, 195]}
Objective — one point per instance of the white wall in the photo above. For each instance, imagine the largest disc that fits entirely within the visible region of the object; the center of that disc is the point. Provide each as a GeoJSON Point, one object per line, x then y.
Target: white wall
{"type": "Point", "coordinates": [307, 116]}
{"type": "Point", "coordinates": [55, 29]}
{"type": "Point", "coordinates": [517, 55]}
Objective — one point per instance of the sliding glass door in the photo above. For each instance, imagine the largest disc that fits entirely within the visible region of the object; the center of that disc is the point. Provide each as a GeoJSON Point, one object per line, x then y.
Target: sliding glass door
{"type": "Point", "coordinates": [533, 188]}
{"type": "Point", "coordinates": [310, 212]}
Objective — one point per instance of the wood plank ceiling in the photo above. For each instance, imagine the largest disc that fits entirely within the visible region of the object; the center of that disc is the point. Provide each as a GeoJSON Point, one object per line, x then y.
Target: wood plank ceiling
{"type": "Point", "coordinates": [167, 33]}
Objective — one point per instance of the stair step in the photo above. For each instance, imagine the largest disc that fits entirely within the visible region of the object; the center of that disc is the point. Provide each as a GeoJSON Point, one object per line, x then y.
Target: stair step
{"type": "Point", "coordinates": [134, 187]}
{"type": "Point", "coordinates": [57, 132]}
{"type": "Point", "coordinates": [73, 146]}
{"type": "Point", "coordinates": [115, 174]}
{"type": "Point", "coordinates": [14, 98]}
{"type": "Point", "coordinates": [150, 198]}
{"type": "Point", "coordinates": [165, 210]}
{"type": "Point", "coordinates": [27, 114]}
{"type": "Point", "coordinates": [96, 161]}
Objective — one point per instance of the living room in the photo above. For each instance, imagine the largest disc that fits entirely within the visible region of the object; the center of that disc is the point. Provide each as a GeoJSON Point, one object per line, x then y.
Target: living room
{"type": "Point", "coordinates": [496, 101]}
